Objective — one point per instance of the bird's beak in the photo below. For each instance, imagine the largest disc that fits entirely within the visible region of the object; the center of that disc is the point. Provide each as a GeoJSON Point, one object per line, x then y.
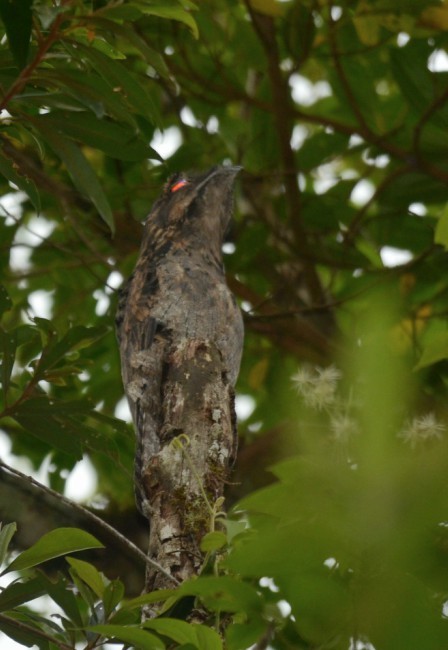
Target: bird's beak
{"type": "Point", "coordinates": [230, 170]}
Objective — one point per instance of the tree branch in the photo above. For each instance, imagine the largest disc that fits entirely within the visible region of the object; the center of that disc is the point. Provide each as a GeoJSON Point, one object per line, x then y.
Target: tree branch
{"type": "Point", "coordinates": [89, 516]}
{"type": "Point", "coordinates": [23, 627]}
{"type": "Point", "coordinates": [264, 27]}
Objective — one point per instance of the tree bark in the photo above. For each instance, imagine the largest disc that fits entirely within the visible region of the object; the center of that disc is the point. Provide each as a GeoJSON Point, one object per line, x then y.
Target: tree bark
{"type": "Point", "coordinates": [186, 478]}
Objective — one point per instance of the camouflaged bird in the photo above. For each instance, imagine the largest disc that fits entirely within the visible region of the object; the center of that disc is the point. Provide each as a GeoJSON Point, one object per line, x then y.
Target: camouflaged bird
{"type": "Point", "coordinates": [177, 294]}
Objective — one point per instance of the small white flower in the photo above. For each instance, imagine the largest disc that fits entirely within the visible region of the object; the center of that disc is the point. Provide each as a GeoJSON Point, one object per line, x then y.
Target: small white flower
{"type": "Point", "coordinates": [320, 395]}
{"type": "Point", "coordinates": [331, 374]}
{"type": "Point", "coordinates": [302, 379]}
{"type": "Point", "coordinates": [343, 427]}
{"type": "Point", "coordinates": [421, 429]}
{"type": "Point", "coordinates": [318, 387]}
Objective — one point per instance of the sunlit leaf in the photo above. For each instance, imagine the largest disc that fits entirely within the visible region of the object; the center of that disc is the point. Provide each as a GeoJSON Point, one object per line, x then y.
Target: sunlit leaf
{"type": "Point", "coordinates": [441, 233]}
{"type": "Point", "coordinates": [159, 595]}
{"type": "Point", "coordinates": [60, 541]}
{"type": "Point", "coordinates": [89, 574]}
{"type": "Point", "coordinates": [435, 350]}
{"type": "Point", "coordinates": [132, 635]}
{"type": "Point", "coordinates": [7, 532]}
{"type": "Point", "coordinates": [213, 541]}
{"type": "Point", "coordinates": [173, 13]}
{"type": "Point", "coordinates": [267, 7]}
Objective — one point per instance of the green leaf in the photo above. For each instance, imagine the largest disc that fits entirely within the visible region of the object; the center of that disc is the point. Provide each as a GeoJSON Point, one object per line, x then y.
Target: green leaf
{"type": "Point", "coordinates": [147, 599]}
{"type": "Point", "coordinates": [267, 7]}
{"type": "Point", "coordinates": [89, 574]}
{"type": "Point", "coordinates": [48, 420]}
{"type": "Point", "coordinates": [9, 171]}
{"type": "Point", "coordinates": [125, 83]}
{"type": "Point", "coordinates": [126, 31]}
{"type": "Point", "coordinates": [8, 346]}
{"type": "Point", "coordinates": [80, 170]}
{"type": "Point", "coordinates": [19, 593]}
{"type": "Point", "coordinates": [178, 631]}
{"type": "Point", "coordinates": [319, 148]}
{"type": "Point", "coordinates": [11, 626]}
{"type": "Point", "coordinates": [208, 639]}
{"type": "Point", "coordinates": [198, 636]}
{"type": "Point", "coordinates": [132, 635]}
{"type": "Point", "coordinates": [116, 140]}
{"type": "Point", "coordinates": [436, 349]}
{"type": "Point", "coordinates": [241, 636]}
{"type": "Point", "coordinates": [60, 541]}
{"type": "Point", "coordinates": [112, 596]}
{"type": "Point", "coordinates": [17, 18]}
{"type": "Point", "coordinates": [6, 534]}
{"type": "Point", "coordinates": [173, 13]}
{"type": "Point", "coordinates": [299, 30]}
{"type": "Point", "coordinates": [62, 594]}
{"type": "Point", "coordinates": [5, 300]}
{"type": "Point", "coordinates": [89, 90]}
{"type": "Point", "coordinates": [441, 234]}
{"type": "Point", "coordinates": [417, 83]}
{"type": "Point", "coordinates": [213, 541]}
{"type": "Point", "coordinates": [76, 338]}
{"type": "Point", "coordinates": [223, 594]}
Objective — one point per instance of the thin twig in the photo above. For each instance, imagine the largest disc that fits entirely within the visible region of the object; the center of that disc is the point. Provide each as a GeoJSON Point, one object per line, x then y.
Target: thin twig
{"type": "Point", "coordinates": [23, 78]}
{"type": "Point", "coordinates": [90, 516]}
{"type": "Point", "coordinates": [29, 629]}
{"type": "Point", "coordinates": [427, 114]}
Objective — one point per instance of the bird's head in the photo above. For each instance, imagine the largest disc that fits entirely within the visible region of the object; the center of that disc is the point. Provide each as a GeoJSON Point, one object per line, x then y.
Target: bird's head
{"type": "Point", "coordinates": [194, 209]}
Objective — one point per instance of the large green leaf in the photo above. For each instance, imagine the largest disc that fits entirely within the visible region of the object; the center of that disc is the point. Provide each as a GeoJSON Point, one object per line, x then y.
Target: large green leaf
{"type": "Point", "coordinates": [419, 86]}
{"type": "Point", "coordinates": [17, 18]}
{"type": "Point", "coordinates": [77, 338]}
{"type": "Point", "coordinates": [223, 594]}
{"type": "Point", "coordinates": [89, 574]}
{"type": "Point", "coordinates": [130, 635]}
{"type": "Point", "coordinates": [198, 636]}
{"type": "Point", "coordinates": [50, 422]}
{"type": "Point", "coordinates": [157, 596]}
{"type": "Point", "coordinates": [131, 36]}
{"type": "Point", "coordinates": [117, 141]}
{"type": "Point", "coordinates": [80, 170]}
{"type": "Point", "coordinates": [88, 90]}
{"type": "Point", "coordinates": [19, 593]}
{"type": "Point", "coordinates": [127, 85]}
{"type": "Point", "coordinates": [60, 541]}
{"type": "Point", "coordinates": [435, 349]}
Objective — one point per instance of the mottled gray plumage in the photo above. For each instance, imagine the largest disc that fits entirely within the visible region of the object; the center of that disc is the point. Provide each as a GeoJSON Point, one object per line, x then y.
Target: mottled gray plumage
{"type": "Point", "coordinates": [177, 292]}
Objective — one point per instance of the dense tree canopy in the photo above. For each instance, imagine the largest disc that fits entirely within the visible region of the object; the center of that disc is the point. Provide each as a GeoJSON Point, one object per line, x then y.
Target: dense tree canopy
{"type": "Point", "coordinates": [338, 113]}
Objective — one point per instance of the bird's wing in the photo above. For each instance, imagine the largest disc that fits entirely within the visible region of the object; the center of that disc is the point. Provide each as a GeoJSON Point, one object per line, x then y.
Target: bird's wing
{"type": "Point", "coordinates": [143, 350]}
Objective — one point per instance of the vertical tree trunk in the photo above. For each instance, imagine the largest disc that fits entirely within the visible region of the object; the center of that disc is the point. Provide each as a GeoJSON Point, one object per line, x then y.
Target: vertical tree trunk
{"type": "Point", "coordinates": [186, 477]}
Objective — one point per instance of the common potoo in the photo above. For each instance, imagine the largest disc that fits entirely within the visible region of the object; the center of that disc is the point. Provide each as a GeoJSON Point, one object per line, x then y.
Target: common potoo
{"type": "Point", "coordinates": [176, 300]}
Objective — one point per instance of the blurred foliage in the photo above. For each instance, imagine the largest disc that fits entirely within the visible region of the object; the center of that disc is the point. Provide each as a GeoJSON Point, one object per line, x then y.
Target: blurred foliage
{"type": "Point", "coordinates": [338, 113]}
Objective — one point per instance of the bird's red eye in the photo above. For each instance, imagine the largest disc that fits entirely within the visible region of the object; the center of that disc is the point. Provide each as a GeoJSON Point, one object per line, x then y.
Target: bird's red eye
{"type": "Point", "coordinates": [178, 185]}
